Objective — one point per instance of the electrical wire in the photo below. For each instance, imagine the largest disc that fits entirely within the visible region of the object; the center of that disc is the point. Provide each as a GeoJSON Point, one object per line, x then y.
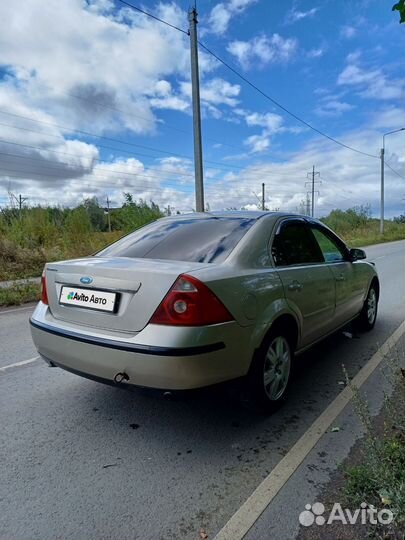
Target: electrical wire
{"type": "Point", "coordinates": [153, 17]}
{"type": "Point", "coordinates": [218, 165]}
{"type": "Point", "coordinates": [394, 171]}
{"type": "Point", "coordinates": [280, 106]}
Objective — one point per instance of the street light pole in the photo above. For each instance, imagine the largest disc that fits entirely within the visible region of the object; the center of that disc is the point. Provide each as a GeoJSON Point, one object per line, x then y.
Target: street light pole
{"type": "Point", "coordinates": [382, 190]}
{"type": "Point", "coordinates": [382, 156]}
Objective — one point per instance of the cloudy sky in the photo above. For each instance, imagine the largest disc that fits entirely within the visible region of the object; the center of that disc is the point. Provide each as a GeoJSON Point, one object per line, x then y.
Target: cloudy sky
{"type": "Point", "coordinates": [95, 99]}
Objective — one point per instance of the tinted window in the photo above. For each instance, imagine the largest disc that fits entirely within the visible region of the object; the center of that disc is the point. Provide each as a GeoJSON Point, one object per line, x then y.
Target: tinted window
{"type": "Point", "coordinates": [198, 240]}
{"type": "Point", "coordinates": [330, 250]}
{"type": "Point", "coordinates": [295, 244]}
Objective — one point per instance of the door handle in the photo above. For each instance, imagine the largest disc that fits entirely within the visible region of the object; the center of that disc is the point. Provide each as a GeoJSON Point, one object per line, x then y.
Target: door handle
{"type": "Point", "coordinates": [340, 277]}
{"type": "Point", "coordinates": [295, 286]}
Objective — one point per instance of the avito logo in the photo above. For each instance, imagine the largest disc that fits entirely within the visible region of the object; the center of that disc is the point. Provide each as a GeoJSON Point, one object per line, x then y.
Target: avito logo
{"type": "Point", "coordinates": [79, 297]}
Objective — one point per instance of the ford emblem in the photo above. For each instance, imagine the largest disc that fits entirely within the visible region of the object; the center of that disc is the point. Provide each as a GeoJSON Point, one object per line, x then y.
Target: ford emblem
{"type": "Point", "coordinates": [86, 280]}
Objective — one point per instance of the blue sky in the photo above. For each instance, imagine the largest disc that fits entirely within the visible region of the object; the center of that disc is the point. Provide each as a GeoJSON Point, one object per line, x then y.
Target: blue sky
{"type": "Point", "coordinates": [95, 101]}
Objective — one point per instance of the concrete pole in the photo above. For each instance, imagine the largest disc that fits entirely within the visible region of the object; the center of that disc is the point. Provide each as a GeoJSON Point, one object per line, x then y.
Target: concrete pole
{"type": "Point", "coordinates": [195, 84]}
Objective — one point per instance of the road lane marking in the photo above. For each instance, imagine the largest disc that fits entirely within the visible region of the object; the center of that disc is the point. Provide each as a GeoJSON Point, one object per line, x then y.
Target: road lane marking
{"type": "Point", "coordinates": [18, 364]}
{"type": "Point", "coordinates": [16, 309]}
{"type": "Point", "coordinates": [250, 511]}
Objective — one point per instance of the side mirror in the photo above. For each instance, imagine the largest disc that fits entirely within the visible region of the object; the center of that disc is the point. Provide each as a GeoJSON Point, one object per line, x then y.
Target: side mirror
{"type": "Point", "coordinates": [357, 254]}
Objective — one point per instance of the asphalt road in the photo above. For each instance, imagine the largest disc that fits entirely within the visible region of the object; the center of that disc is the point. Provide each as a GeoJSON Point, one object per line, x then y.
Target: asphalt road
{"type": "Point", "coordinates": [80, 460]}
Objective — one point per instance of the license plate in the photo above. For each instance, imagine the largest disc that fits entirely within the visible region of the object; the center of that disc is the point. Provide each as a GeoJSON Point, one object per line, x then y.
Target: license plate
{"type": "Point", "coordinates": [87, 298]}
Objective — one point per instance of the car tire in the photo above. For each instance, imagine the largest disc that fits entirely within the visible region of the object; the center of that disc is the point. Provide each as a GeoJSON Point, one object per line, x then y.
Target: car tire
{"type": "Point", "coordinates": [269, 376]}
{"type": "Point", "coordinates": [368, 314]}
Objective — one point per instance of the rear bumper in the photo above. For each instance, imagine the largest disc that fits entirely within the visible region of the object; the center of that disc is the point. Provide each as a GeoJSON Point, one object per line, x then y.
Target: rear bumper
{"type": "Point", "coordinates": [153, 366]}
{"type": "Point", "coordinates": [128, 347]}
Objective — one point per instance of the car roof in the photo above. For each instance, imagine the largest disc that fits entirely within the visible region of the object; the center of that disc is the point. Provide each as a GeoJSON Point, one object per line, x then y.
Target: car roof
{"type": "Point", "coordinates": [248, 214]}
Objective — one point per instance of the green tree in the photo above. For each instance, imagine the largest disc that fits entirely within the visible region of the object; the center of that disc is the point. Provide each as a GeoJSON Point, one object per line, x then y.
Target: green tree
{"type": "Point", "coordinates": [400, 6]}
{"type": "Point", "coordinates": [77, 232]}
{"type": "Point", "coordinates": [95, 213]}
{"type": "Point", "coordinates": [134, 214]}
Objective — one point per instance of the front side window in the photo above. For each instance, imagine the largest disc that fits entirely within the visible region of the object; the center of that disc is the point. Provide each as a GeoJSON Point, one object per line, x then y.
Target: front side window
{"type": "Point", "coordinates": [204, 240]}
{"type": "Point", "coordinates": [295, 244]}
{"type": "Point", "coordinates": [331, 251]}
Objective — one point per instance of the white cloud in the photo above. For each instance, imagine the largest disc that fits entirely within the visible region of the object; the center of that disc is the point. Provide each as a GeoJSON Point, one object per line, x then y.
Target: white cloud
{"type": "Point", "coordinates": [295, 15]}
{"type": "Point", "coordinates": [222, 13]}
{"type": "Point", "coordinates": [272, 122]}
{"type": "Point", "coordinates": [258, 143]}
{"type": "Point", "coordinates": [349, 179]}
{"type": "Point", "coordinates": [316, 53]}
{"type": "Point", "coordinates": [263, 50]}
{"type": "Point", "coordinates": [348, 31]}
{"type": "Point", "coordinates": [370, 83]}
{"type": "Point", "coordinates": [216, 91]}
{"type": "Point", "coordinates": [34, 144]}
{"type": "Point", "coordinates": [332, 107]}
{"type": "Point", "coordinates": [89, 62]}
{"type": "Point", "coordinates": [107, 71]}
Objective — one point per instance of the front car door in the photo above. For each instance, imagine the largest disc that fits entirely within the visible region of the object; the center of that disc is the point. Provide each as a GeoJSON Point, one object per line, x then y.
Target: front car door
{"type": "Point", "coordinates": [349, 278]}
{"type": "Point", "coordinates": [308, 283]}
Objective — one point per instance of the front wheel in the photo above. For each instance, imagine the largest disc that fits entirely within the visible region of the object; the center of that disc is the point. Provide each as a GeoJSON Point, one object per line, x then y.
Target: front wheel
{"type": "Point", "coordinates": [270, 373]}
{"type": "Point", "coordinates": [368, 315]}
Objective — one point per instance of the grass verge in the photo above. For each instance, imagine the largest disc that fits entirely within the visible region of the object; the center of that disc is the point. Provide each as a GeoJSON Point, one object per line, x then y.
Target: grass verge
{"type": "Point", "coordinates": [379, 480]}
{"type": "Point", "coordinates": [20, 294]}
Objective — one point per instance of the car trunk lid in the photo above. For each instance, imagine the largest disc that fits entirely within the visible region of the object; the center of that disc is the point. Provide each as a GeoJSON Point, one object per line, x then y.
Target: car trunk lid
{"type": "Point", "coordinates": [139, 284]}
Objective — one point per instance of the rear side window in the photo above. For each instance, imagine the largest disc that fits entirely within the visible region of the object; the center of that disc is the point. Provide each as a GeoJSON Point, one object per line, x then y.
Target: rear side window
{"type": "Point", "coordinates": [196, 240]}
{"type": "Point", "coordinates": [330, 249]}
{"type": "Point", "coordinates": [295, 244]}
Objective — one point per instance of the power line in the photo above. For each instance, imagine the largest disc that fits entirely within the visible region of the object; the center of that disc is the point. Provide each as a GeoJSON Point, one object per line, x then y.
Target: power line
{"type": "Point", "coordinates": [218, 165]}
{"type": "Point", "coordinates": [89, 134]}
{"type": "Point", "coordinates": [163, 124]}
{"type": "Point", "coordinates": [61, 165]}
{"type": "Point", "coordinates": [394, 171]}
{"type": "Point", "coordinates": [109, 179]}
{"type": "Point", "coordinates": [264, 94]}
{"type": "Point", "coordinates": [153, 17]}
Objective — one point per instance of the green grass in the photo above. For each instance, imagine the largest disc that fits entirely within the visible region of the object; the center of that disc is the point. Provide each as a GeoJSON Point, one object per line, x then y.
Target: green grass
{"type": "Point", "coordinates": [379, 479]}
{"type": "Point", "coordinates": [19, 262]}
{"type": "Point", "coordinates": [357, 228]}
{"type": "Point", "coordinates": [38, 235]}
{"type": "Point", "coordinates": [20, 294]}
{"type": "Point", "coordinates": [370, 234]}
{"type": "Point", "coordinates": [381, 483]}
{"type": "Point", "coordinates": [33, 236]}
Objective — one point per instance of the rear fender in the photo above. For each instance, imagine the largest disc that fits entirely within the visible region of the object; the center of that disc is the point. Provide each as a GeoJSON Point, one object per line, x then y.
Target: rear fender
{"type": "Point", "coordinates": [273, 312]}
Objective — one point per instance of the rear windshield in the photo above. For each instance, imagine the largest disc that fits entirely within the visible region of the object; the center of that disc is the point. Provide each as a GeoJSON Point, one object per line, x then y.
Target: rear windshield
{"type": "Point", "coordinates": [197, 240]}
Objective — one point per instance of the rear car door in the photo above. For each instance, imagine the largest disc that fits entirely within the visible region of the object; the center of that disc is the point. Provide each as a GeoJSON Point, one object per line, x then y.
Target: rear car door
{"type": "Point", "coordinates": [349, 280]}
{"type": "Point", "coordinates": [308, 283]}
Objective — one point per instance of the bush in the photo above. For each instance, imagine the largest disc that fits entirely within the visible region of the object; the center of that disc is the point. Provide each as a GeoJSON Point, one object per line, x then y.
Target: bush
{"type": "Point", "coordinates": [31, 237]}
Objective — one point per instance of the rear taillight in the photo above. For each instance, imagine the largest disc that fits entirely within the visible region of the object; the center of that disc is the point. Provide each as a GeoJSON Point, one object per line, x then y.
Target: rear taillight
{"type": "Point", "coordinates": [190, 303]}
{"type": "Point", "coordinates": [44, 292]}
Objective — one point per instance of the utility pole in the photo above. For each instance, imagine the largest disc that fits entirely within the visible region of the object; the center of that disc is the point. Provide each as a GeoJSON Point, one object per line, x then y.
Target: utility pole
{"type": "Point", "coordinates": [108, 214]}
{"type": "Point", "coordinates": [263, 196]}
{"type": "Point", "coordinates": [195, 85]}
{"type": "Point", "coordinates": [20, 200]}
{"type": "Point", "coordinates": [308, 204]}
{"type": "Point", "coordinates": [382, 191]}
{"type": "Point", "coordinates": [313, 175]}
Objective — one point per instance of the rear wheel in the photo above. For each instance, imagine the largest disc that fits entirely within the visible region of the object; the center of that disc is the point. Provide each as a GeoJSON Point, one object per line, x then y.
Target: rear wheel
{"type": "Point", "coordinates": [270, 373]}
{"type": "Point", "coordinates": [368, 315]}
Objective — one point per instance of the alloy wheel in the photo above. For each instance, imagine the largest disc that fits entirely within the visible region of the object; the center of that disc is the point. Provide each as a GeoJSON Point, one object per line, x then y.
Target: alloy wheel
{"type": "Point", "coordinates": [277, 367]}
